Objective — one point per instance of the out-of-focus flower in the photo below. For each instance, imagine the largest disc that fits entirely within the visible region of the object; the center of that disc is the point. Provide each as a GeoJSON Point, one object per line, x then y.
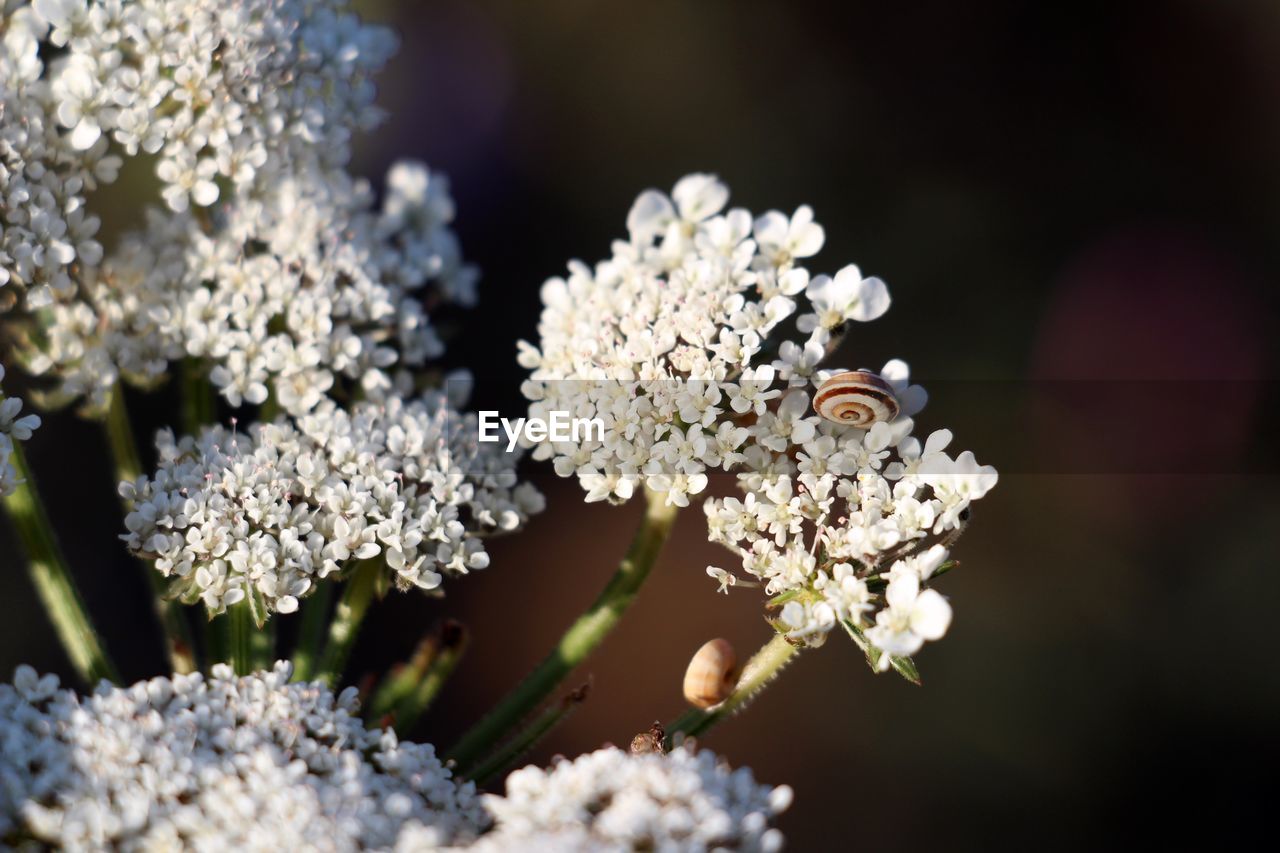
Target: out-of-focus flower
{"type": "Point", "coordinates": [273, 510]}
{"type": "Point", "coordinates": [217, 762]}
{"type": "Point", "coordinates": [613, 800]}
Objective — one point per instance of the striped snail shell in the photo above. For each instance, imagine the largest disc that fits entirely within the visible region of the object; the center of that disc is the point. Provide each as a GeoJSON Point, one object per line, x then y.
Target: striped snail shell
{"type": "Point", "coordinates": [858, 398]}
{"type": "Point", "coordinates": [712, 674]}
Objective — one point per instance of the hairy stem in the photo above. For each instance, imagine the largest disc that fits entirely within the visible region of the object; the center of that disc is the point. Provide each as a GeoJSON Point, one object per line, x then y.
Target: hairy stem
{"type": "Point", "coordinates": [124, 453]}
{"type": "Point", "coordinates": [763, 667]}
{"type": "Point", "coordinates": [52, 577]}
{"type": "Point", "coordinates": [582, 638]}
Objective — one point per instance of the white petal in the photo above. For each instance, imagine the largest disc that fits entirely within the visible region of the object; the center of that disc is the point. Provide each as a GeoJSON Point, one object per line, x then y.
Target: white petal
{"type": "Point", "coordinates": [85, 134]}
{"type": "Point", "coordinates": [873, 300]}
{"type": "Point", "coordinates": [931, 615]}
{"type": "Point", "coordinates": [648, 218]}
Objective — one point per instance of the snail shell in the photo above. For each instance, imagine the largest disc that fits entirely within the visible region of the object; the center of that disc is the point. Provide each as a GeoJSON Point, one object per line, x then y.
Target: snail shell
{"type": "Point", "coordinates": [712, 674]}
{"type": "Point", "coordinates": [857, 398]}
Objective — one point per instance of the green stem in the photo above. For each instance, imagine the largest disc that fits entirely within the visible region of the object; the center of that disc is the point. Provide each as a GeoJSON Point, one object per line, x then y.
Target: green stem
{"type": "Point", "coordinates": [524, 740]}
{"type": "Point", "coordinates": [312, 631]}
{"type": "Point", "coordinates": [124, 452]}
{"type": "Point", "coordinates": [52, 577]}
{"type": "Point", "coordinates": [198, 403]}
{"type": "Point", "coordinates": [452, 645]}
{"type": "Point", "coordinates": [347, 619]}
{"type": "Point", "coordinates": [402, 680]}
{"type": "Point", "coordinates": [763, 667]}
{"type": "Point", "coordinates": [241, 630]}
{"type": "Point", "coordinates": [124, 448]}
{"type": "Point", "coordinates": [262, 644]}
{"type": "Point", "coordinates": [583, 636]}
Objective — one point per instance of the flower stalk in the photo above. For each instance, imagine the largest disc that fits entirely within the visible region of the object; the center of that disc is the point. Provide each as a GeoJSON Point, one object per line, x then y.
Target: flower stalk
{"type": "Point", "coordinates": [348, 616]}
{"type": "Point", "coordinates": [764, 667]}
{"type": "Point", "coordinates": [582, 637]}
{"type": "Point", "coordinates": [408, 690]}
{"type": "Point", "coordinates": [524, 740]}
{"type": "Point", "coordinates": [312, 631]}
{"type": "Point", "coordinates": [128, 467]}
{"type": "Point", "coordinates": [52, 577]}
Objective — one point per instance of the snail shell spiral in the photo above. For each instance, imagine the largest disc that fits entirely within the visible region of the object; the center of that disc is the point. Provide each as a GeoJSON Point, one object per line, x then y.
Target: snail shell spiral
{"type": "Point", "coordinates": [712, 674]}
{"type": "Point", "coordinates": [857, 398]}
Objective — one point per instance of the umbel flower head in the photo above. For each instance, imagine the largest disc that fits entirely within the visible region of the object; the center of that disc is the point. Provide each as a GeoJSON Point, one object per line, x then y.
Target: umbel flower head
{"type": "Point", "coordinates": [13, 427]}
{"type": "Point", "coordinates": [241, 93]}
{"type": "Point", "coordinates": [227, 97]}
{"type": "Point", "coordinates": [291, 291]}
{"type": "Point", "coordinates": [677, 345]}
{"type": "Point", "coordinates": [268, 512]}
{"type": "Point", "coordinates": [614, 800]}
{"type": "Point", "coordinates": [218, 762]}
{"type": "Point", "coordinates": [43, 178]}
{"type": "Point", "coordinates": [676, 339]}
{"type": "Point", "coordinates": [844, 527]}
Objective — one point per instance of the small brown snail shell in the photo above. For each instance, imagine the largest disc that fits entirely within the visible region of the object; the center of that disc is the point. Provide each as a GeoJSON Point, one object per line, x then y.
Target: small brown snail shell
{"type": "Point", "coordinates": [712, 674]}
{"type": "Point", "coordinates": [858, 398]}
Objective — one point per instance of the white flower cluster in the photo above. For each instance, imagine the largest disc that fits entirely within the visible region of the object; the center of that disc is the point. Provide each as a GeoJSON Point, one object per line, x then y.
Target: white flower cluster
{"type": "Point", "coordinates": [12, 428]}
{"type": "Point", "coordinates": [269, 512]}
{"type": "Point", "coordinates": [672, 341]}
{"type": "Point", "coordinates": [216, 763]}
{"type": "Point", "coordinates": [287, 291]}
{"type": "Point", "coordinates": [43, 179]}
{"type": "Point", "coordinates": [834, 515]}
{"type": "Point", "coordinates": [242, 93]}
{"type": "Point", "coordinates": [610, 800]}
{"type": "Point", "coordinates": [675, 344]}
{"type": "Point", "coordinates": [296, 283]}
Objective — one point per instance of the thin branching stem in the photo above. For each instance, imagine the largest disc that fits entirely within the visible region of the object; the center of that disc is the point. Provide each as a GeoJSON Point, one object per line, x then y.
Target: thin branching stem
{"type": "Point", "coordinates": [448, 651]}
{"type": "Point", "coordinates": [312, 631]}
{"type": "Point", "coordinates": [348, 616]}
{"type": "Point", "coordinates": [524, 740]}
{"type": "Point", "coordinates": [128, 467]}
{"type": "Point", "coordinates": [52, 577]}
{"type": "Point", "coordinates": [582, 638]}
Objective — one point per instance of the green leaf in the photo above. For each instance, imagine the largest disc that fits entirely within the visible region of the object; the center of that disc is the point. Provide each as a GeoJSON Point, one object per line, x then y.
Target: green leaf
{"type": "Point", "coordinates": [904, 666]}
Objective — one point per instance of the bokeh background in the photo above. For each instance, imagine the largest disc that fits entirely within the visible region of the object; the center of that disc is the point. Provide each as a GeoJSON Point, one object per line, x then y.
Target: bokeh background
{"type": "Point", "coordinates": [1077, 209]}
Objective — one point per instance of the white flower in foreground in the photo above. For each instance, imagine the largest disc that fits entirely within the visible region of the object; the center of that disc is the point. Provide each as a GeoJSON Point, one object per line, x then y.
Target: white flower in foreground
{"type": "Point", "coordinates": [610, 800]}
{"type": "Point", "coordinates": [270, 511]}
{"type": "Point", "coordinates": [217, 763]}
{"type": "Point", "coordinates": [12, 428]}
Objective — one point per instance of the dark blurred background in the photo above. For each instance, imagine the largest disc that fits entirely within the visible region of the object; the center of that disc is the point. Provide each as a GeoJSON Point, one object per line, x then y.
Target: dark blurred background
{"type": "Point", "coordinates": [1077, 209]}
